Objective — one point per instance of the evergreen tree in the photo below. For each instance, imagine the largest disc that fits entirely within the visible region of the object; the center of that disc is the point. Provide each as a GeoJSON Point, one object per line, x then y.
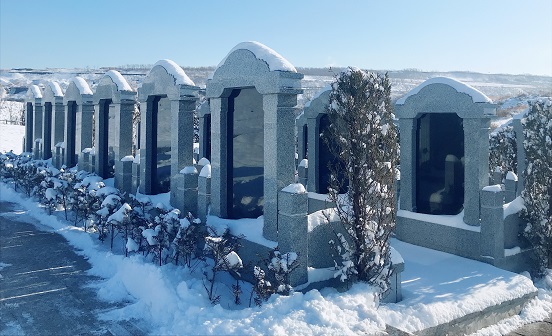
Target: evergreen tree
{"type": "Point", "coordinates": [537, 195]}
{"type": "Point", "coordinates": [363, 139]}
{"type": "Point", "coordinates": [503, 151]}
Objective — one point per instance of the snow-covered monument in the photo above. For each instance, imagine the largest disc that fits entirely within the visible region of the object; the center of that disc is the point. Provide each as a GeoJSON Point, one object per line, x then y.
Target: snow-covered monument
{"type": "Point", "coordinates": [79, 114]}
{"type": "Point", "coordinates": [114, 102]}
{"type": "Point", "coordinates": [53, 119]}
{"type": "Point", "coordinates": [168, 99]}
{"type": "Point", "coordinates": [446, 202]}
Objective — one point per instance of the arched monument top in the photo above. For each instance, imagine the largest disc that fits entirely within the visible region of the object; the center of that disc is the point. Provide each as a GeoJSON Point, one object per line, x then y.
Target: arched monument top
{"type": "Point", "coordinates": [173, 69]}
{"type": "Point", "coordinates": [251, 64]}
{"type": "Point", "coordinates": [115, 87]}
{"type": "Point", "coordinates": [445, 95]}
{"type": "Point", "coordinates": [166, 78]}
{"type": "Point", "coordinates": [34, 92]}
{"type": "Point", "coordinates": [78, 91]}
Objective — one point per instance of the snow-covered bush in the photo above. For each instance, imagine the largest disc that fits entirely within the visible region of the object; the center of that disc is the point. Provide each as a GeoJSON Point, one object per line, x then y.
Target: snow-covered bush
{"type": "Point", "coordinates": [503, 151]}
{"type": "Point", "coordinates": [537, 195]}
{"type": "Point", "coordinates": [222, 248]}
{"type": "Point", "coordinates": [186, 242]}
{"type": "Point", "coordinates": [363, 138]}
{"type": "Point", "coordinates": [121, 223]}
{"type": "Point", "coordinates": [282, 265]}
{"type": "Point", "coordinates": [262, 288]}
{"type": "Point", "coordinates": [112, 201]}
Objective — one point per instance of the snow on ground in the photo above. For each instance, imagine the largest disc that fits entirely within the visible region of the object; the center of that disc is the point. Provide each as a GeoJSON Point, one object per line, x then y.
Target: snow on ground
{"type": "Point", "coordinates": [437, 287]}
{"type": "Point", "coordinates": [11, 138]}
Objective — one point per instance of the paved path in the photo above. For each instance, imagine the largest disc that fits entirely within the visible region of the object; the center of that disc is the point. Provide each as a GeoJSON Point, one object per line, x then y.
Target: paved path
{"type": "Point", "coordinates": [42, 291]}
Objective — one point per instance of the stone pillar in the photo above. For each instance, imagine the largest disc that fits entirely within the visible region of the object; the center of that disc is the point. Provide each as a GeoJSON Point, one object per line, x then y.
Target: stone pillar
{"type": "Point", "coordinates": [146, 147]}
{"type": "Point", "coordinates": [37, 149]}
{"type": "Point", "coordinates": [279, 146]}
{"type": "Point", "coordinates": [182, 130]}
{"type": "Point", "coordinates": [125, 176]}
{"type": "Point", "coordinates": [408, 163]}
{"type": "Point", "coordinates": [123, 143]}
{"type": "Point", "coordinates": [58, 125]}
{"type": "Point", "coordinates": [37, 132]}
{"type": "Point", "coordinates": [84, 162]}
{"type": "Point", "coordinates": [219, 156]}
{"type": "Point", "coordinates": [510, 184]}
{"type": "Point", "coordinates": [521, 164]}
{"type": "Point", "coordinates": [303, 171]}
{"type": "Point", "coordinates": [492, 222]}
{"type": "Point", "coordinates": [29, 125]}
{"type": "Point", "coordinates": [83, 131]}
{"type": "Point", "coordinates": [204, 193]}
{"type": "Point", "coordinates": [58, 157]}
{"type": "Point", "coordinates": [187, 195]}
{"type": "Point", "coordinates": [136, 172]}
{"type": "Point", "coordinates": [293, 229]}
{"type": "Point", "coordinates": [476, 165]}
{"type": "Point", "coordinates": [47, 120]}
{"type": "Point", "coordinates": [497, 176]}
{"type": "Point", "coordinates": [313, 138]}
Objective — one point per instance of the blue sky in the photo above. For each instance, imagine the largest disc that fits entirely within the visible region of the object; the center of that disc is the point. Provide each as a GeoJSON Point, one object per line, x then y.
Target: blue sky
{"type": "Point", "coordinates": [489, 36]}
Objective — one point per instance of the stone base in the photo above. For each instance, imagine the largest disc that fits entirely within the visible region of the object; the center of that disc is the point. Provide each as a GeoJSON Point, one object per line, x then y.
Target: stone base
{"type": "Point", "coordinates": [475, 321]}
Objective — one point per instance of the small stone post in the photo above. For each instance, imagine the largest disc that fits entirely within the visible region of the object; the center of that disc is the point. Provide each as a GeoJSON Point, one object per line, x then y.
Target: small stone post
{"type": "Point", "coordinates": [492, 222]}
{"type": "Point", "coordinates": [204, 193]}
{"type": "Point", "coordinates": [510, 183]}
{"type": "Point", "coordinates": [37, 155]}
{"type": "Point", "coordinates": [497, 176]}
{"type": "Point", "coordinates": [136, 171]}
{"type": "Point", "coordinates": [57, 158]}
{"type": "Point", "coordinates": [84, 164]}
{"type": "Point", "coordinates": [293, 228]}
{"type": "Point", "coordinates": [188, 190]}
{"type": "Point", "coordinates": [303, 171]}
{"type": "Point", "coordinates": [126, 175]}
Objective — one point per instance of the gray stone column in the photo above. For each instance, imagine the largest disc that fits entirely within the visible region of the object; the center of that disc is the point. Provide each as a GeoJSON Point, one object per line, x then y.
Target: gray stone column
{"type": "Point", "coordinates": [408, 164]}
{"type": "Point", "coordinates": [313, 129]}
{"type": "Point", "coordinates": [125, 177]}
{"type": "Point", "coordinates": [521, 164]}
{"type": "Point", "coordinates": [279, 158]}
{"type": "Point", "coordinates": [83, 130]}
{"type": "Point", "coordinates": [123, 142]}
{"type": "Point", "coordinates": [58, 123]}
{"type": "Point", "coordinates": [136, 171]}
{"type": "Point", "coordinates": [492, 222]}
{"type": "Point", "coordinates": [219, 157]}
{"type": "Point", "coordinates": [29, 126]}
{"type": "Point", "coordinates": [84, 162]}
{"type": "Point", "coordinates": [187, 195]}
{"type": "Point", "coordinates": [476, 161]}
{"type": "Point", "coordinates": [146, 147]}
{"type": "Point", "coordinates": [58, 161]}
{"type": "Point", "coordinates": [204, 193]}
{"type": "Point", "coordinates": [510, 186]}
{"type": "Point", "coordinates": [293, 230]}
{"type": "Point", "coordinates": [37, 132]}
{"type": "Point", "coordinates": [182, 130]}
{"type": "Point", "coordinates": [303, 171]}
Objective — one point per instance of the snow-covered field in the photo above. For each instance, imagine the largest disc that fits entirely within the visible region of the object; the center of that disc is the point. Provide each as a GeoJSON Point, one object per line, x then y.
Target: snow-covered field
{"type": "Point", "coordinates": [11, 138]}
